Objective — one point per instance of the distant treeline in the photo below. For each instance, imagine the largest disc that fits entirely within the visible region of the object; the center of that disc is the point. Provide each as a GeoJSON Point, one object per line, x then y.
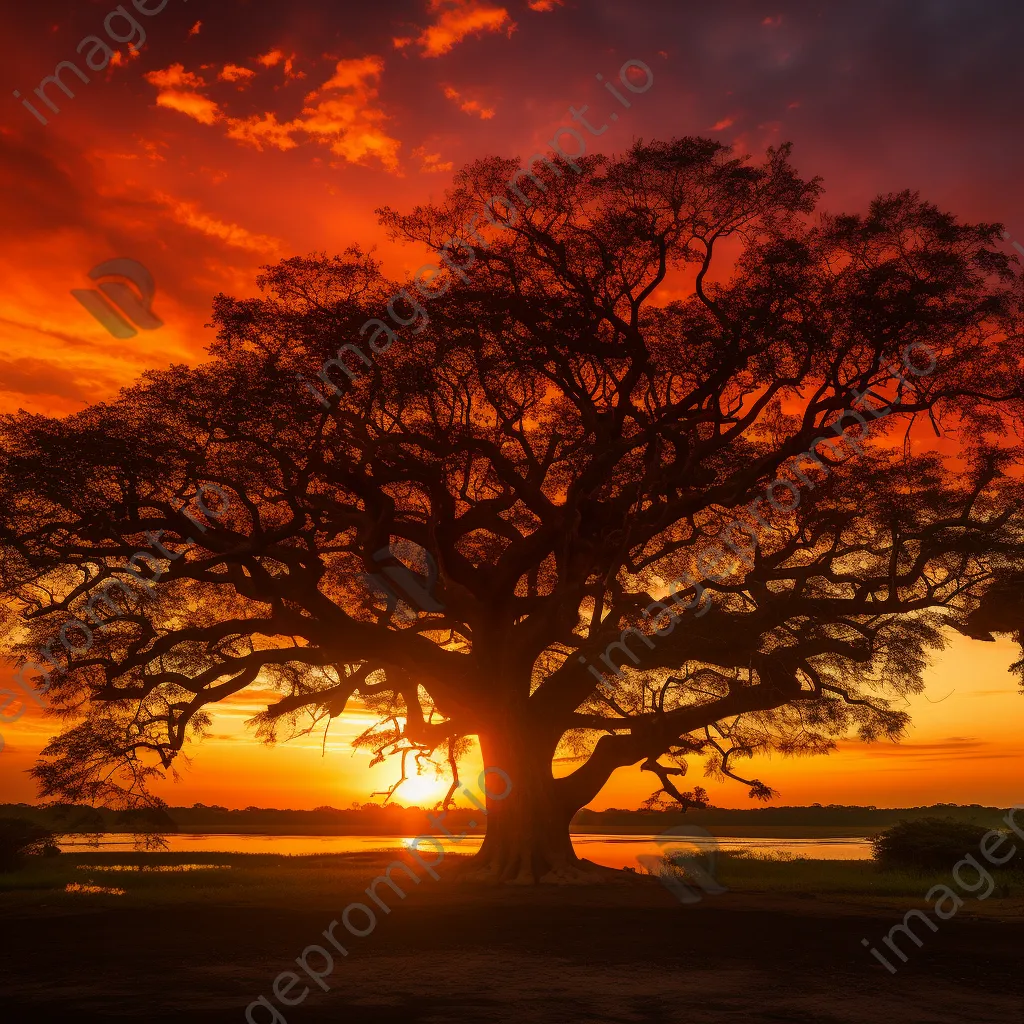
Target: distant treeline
{"type": "Point", "coordinates": [851, 816]}
{"type": "Point", "coordinates": [372, 819]}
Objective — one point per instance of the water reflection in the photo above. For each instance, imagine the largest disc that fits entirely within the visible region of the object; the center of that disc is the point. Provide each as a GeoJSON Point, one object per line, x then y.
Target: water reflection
{"type": "Point", "coordinates": [615, 851]}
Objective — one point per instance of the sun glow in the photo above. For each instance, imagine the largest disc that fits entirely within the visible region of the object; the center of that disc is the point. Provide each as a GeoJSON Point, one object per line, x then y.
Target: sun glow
{"type": "Point", "coordinates": [421, 789]}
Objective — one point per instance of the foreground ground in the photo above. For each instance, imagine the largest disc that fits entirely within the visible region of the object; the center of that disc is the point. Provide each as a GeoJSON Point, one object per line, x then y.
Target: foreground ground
{"type": "Point", "coordinates": [783, 944]}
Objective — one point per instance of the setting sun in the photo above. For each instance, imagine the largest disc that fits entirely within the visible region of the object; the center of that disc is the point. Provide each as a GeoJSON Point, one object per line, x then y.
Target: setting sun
{"type": "Point", "coordinates": [423, 790]}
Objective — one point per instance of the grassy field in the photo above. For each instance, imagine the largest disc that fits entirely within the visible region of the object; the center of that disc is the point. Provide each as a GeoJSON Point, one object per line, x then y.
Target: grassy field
{"type": "Point", "coordinates": [781, 873]}
{"type": "Point", "coordinates": [138, 879]}
{"type": "Point", "coordinates": [103, 938]}
{"type": "Point", "coordinates": [155, 879]}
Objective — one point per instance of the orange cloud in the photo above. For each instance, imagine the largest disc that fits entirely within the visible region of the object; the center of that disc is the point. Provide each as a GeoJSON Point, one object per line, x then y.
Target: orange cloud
{"type": "Point", "coordinates": [119, 59]}
{"type": "Point", "coordinates": [263, 129]}
{"type": "Point", "coordinates": [234, 73]}
{"type": "Point", "coordinates": [720, 126]}
{"type": "Point", "coordinates": [342, 114]}
{"type": "Point", "coordinates": [175, 77]}
{"type": "Point", "coordinates": [274, 57]}
{"type": "Point", "coordinates": [457, 19]}
{"type": "Point", "coordinates": [469, 106]}
{"type": "Point", "coordinates": [351, 74]}
{"type": "Point", "coordinates": [544, 5]}
{"type": "Point", "coordinates": [194, 30]}
{"type": "Point", "coordinates": [268, 60]}
{"type": "Point", "coordinates": [178, 90]}
{"type": "Point", "coordinates": [348, 118]}
{"type": "Point", "coordinates": [191, 216]}
{"type": "Point", "coordinates": [191, 104]}
{"type": "Point", "coordinates": [431, 162]}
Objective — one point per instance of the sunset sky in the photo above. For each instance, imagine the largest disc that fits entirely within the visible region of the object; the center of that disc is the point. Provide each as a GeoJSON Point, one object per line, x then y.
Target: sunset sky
{"type": "Point", "coordinates": [242, 132]}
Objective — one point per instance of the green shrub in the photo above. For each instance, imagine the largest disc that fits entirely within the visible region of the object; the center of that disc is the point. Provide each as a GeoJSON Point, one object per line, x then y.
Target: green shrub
{"type": "Point", "coordinates": [927, 843]}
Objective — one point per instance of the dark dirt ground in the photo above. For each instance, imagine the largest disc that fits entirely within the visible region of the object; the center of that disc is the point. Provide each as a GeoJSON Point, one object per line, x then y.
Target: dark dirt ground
{"type": "Point", "coordinates": [462, 952]}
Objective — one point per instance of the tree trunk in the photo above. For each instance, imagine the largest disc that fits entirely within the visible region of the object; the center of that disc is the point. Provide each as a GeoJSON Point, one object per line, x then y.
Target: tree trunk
{"type": "Point", "coordinates": [527, 838]}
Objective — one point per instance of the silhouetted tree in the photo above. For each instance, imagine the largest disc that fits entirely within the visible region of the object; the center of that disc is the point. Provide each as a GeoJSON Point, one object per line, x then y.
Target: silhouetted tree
{"type": "Point", "coordinates": [587, 410]}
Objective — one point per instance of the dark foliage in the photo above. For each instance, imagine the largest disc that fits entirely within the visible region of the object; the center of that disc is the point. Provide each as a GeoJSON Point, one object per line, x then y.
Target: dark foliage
{"type": "Point", "coordinates": [143, 820]}
{"type": "Point", "coordinates": [20, 839]}
{"type": "Point", "coordinates": [929, 843]}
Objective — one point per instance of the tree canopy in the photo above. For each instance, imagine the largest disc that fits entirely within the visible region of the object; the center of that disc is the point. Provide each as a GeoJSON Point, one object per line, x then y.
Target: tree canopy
{"type": "Point", "coordinates": [633, 364]}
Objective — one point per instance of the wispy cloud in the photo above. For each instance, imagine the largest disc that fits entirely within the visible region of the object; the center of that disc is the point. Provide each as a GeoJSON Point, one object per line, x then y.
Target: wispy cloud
{"type": "Point", "coordinates": [29, 376]}
{"type": "Point", "coordinates": [952, 748]}
{"type": "Point", "coordinates": [189, 214]}
{"type": "Point", "coordinates": [235, 73]}
{"type": "Point", "coordinates": [178, 90]}
{"type": "Point", "coordinates": [467, 105]}
{"type": "Point", "coordinates": [454, 20]}
{"type": "Point", "coordinates": [431, 162]}
{"type": "Point", "coordinates": [261, 130]}
{"type": "Point", "coordinates": [343, 114]}
{"type": "Point", "coordinates": [272, 58]}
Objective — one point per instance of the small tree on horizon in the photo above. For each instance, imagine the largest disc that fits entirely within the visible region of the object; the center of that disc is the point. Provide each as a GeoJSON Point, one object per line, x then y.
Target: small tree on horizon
{"type": "Point", "coordinates": [565, 439]}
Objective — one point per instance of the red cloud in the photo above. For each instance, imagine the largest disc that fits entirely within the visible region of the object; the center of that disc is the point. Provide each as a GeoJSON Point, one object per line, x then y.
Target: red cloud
{"type": "Point", "coordinates": [431, 163]}
{"type": "Point", "coordinates": [457, 19]}
{"type": "Point", "coordinates": [469, 106]}
{"type": "Point", "coordinates": [234, 73]}
{"type": "Point", "coordinates": [179, 90]}
{"type": "Point", "coordinates": [343, 114]}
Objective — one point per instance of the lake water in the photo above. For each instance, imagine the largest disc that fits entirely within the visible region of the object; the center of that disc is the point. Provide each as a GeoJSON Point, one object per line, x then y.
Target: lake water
{"type": "Point", "coordinates": [615, 851]}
